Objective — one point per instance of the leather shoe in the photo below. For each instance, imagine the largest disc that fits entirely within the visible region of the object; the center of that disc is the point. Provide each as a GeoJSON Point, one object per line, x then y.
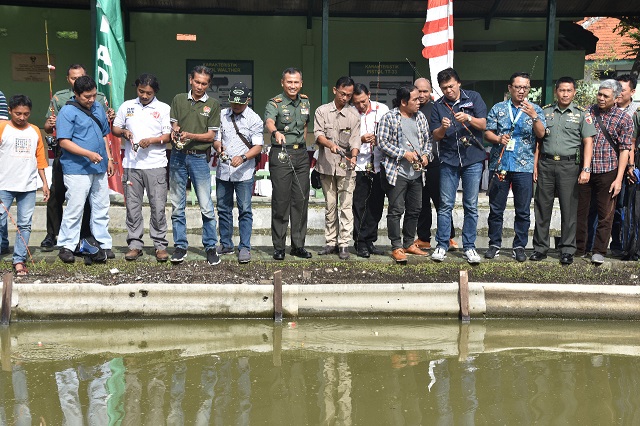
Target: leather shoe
{"type": "Point", "coordinates": [48, 243]}
{"type": "Point", "coordinates": [162, 255]}
{"type": "Point", "coordinates": [422, 244]}
{"type": "Point", "coordinates": [328, 250]}
{"type": "Point", "coordinates": [278, 254]}
{"type": "Point", "coordinates": [300, 252]}
{"type": "Point", "coordinates": [374, 250]}
{"type": "Point", "coordinates": [344, 253]}
{"type": "Point", "coordinates": [537, 256]}
{"type": "Point", "coordinates": [414, 250]}
{"type": "Point", "coordinates": [110, 254]}
{"type": "Point", "coordinates": [362, 252]}
{"type": "Point", "coordinates": [566, 259]}
{"type": "Point", "coordinates": [133, 254]}
{"type": "Point", "coordinates": [399, 256]}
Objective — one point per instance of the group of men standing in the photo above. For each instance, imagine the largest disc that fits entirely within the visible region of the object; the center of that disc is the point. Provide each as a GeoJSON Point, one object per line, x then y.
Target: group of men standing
{"type": "Point", "coordinates": [414, 154]}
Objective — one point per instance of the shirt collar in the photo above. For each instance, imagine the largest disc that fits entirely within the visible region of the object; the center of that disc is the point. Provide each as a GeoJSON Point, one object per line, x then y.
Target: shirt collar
{"type": "Point", "coordinates": [202, 99]}
{"type": "Point", "coordinates": [150, 104]}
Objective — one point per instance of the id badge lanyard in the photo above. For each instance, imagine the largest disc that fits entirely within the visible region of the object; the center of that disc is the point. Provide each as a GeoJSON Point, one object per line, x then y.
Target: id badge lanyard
{"type": "Point", "coordinates": [514, 120]}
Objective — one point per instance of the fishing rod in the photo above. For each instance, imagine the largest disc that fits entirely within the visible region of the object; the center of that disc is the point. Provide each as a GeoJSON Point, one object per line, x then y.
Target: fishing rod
{"type": "Point", "coordinates": [52, 141]}
{"type": "Point", "coordinates": [433, 87]}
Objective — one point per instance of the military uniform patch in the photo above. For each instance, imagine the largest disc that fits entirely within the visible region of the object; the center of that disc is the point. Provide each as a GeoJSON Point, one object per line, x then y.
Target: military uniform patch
{"type": "Point", "coordinates": [588, 119]}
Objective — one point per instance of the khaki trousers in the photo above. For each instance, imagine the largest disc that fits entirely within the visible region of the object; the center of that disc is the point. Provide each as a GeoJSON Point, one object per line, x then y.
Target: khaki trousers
{"type": "Point", "coordinates": [338, 193]}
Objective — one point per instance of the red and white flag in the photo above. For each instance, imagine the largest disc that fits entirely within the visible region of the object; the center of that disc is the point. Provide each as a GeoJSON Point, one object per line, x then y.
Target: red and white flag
{"type": "Point", "coordinates": [438, 36]}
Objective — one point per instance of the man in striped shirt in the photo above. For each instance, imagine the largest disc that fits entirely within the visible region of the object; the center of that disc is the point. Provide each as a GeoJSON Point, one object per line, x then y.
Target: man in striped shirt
{"type": "Point", "coordinates": [610, 157]}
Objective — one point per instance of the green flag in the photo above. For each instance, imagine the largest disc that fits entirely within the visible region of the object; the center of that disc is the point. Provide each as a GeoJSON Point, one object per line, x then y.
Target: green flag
{"type": "Point", "coordinates": [111, 57]}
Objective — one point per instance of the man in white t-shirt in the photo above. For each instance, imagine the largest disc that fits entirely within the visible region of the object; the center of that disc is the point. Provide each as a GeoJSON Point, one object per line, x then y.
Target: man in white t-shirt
{"type": "Point", "coordinates": [368, 198]}
{"type": "Point", "coordinates": [144, 123]}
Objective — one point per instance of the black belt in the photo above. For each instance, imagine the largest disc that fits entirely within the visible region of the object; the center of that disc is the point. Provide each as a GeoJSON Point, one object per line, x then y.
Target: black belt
{"type": "Point", "coordinates": [293, 146]}
{"type": "Point", "coordinates": [195, 151]}
{"type": "Point", "coordinates": [560, 157]}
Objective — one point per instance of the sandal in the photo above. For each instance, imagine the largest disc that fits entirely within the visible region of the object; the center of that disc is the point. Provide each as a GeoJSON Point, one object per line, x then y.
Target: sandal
{"type": "Point", "coordinates": [20, 269]}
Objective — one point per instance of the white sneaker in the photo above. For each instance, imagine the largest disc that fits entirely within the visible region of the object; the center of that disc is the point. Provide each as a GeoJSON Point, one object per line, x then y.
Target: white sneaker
{"type": "Point", "coordinates": [439, 254]}
{"type": "Point", "coordinates": [472, 256]}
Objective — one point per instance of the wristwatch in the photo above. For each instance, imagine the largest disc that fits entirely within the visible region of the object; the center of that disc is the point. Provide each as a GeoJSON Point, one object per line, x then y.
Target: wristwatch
{"type": "Point", "coordinates": [244, 158]}
{"type": "Point", "coordinates": [586, 169]}
{"type": "Point", "coordinates": [631, 166]}
{"type": "Point", "coordinates": [534, 119]}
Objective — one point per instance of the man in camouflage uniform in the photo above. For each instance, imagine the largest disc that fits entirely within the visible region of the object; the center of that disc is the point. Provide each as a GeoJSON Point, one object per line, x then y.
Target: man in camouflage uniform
{"type": "Point", "coordinates": [286, 118]}
{"type": "Point", "coordinates": [560, 168]}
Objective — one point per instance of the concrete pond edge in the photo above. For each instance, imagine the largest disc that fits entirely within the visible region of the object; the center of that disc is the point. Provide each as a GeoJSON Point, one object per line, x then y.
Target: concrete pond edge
{"type": "Point", "coordinates": [64, 301]}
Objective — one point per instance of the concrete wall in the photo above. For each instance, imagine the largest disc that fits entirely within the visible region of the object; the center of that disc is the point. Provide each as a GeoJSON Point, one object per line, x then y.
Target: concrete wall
{"type": "Point", "coordinates": [273, 43]}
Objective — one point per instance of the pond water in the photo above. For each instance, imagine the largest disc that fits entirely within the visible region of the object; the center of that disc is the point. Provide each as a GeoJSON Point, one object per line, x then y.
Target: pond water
{"type": "Point", "coordinates": [363, 372]}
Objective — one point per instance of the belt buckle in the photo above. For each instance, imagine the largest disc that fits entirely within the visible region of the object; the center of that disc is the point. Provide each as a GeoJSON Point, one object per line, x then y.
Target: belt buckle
{"type": "Point", "coordinates": [295, 146]}
{"type": "Point", "coordinates": [556, 158]}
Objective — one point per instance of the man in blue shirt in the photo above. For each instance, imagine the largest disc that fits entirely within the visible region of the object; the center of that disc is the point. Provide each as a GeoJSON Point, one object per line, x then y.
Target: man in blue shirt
{"type": "Point", "coordinates": [82, 130]}
{"type": "Point", "coordinates": [458, 119]}
{"type": "Point", "coordinates": [512, 127]}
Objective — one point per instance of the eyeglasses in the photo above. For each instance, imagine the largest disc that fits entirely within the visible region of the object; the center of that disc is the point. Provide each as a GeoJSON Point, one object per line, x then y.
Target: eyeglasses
{"type": "Point", "coordinates": [521, 88]}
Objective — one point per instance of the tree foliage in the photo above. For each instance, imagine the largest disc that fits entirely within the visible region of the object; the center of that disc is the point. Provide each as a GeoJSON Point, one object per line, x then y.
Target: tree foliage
{"type": "Point", "coordinates": [630, 26]}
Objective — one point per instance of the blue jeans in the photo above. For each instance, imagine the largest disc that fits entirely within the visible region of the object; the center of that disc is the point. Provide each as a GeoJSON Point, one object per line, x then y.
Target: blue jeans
{"type": "Point", "coordinates": [26, 203]}
{"type": "Point", "coordinates": [79, 187]}
{"type": "Point", "coordinates": [224, 195]}
{"type": "Point", "coordinates": [195, 167]}
{"type": "Point", "coordinates": [522, 184]}
{"type": "Point", "coordinates": [449, 178]}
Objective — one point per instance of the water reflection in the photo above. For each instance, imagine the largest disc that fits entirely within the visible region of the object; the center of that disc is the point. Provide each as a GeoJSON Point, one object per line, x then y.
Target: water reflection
{"type": "Point", "coordinates": [320, 373]}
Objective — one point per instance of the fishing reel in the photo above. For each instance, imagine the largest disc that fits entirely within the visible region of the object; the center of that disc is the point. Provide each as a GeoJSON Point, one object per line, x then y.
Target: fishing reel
{"type": "Point", "coordinates": [501, 175]}
{"type": "Point", "coordinates": [467, 140]}
{"type": "Point", "coordinates": [368, 167]}
{"type": "Point", "coordinates": [224, 157]}
{"type": "Point", "coordinates": [135, 146]}
{"type": "Point", "coordinates": [179, 142]}
{"type": "Point", "coordinates": [283, 156]}
{"type": "Point", "coordinates": [52, 141]}
{"type": "Point", "coordinates": [343, 158]}
{"type": "Point", "coordinates": [418, 167]}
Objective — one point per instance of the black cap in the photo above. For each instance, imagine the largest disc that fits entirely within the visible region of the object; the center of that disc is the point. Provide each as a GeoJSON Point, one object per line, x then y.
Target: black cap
{"type": "Point", "coordinates": [239, 93]}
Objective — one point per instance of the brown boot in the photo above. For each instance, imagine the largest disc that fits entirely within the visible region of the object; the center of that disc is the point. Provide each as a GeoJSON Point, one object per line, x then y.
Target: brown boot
{"type": "Point", "coordinates": [399, 256]}
{"type": "Point", "coordinates": [133, 254]}
{"type": "Point", "coordinates": [422, 244]}
{"type": "Point", "coordinates": [162, 255]}
{"type": "Point", "coordinates": [413, 249]}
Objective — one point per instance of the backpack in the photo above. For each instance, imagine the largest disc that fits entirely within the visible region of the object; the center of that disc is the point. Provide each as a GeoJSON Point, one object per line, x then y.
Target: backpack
{"type": "Point", "coordinates": [89, 248]}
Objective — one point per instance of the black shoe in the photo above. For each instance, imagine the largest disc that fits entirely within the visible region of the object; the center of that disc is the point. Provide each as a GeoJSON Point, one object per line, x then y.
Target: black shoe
{"type": "Point", "coordinates": [343, 253]}
{"type": "Point", "coordinates": [537, 256]}
{"type": "Point", "coordinates": [362, 252]}
{"type": "Point", "coordinates": [178, 255]}
{"type": "Point", "coordinates": [66, 255]}
{"type": "Point", "coordinates": [4, 250]}
{"type": "Point", "coordinates": [110, 254]}
{"type": "Point", "coordinates": [278, 254]}
{"type": "Point", "coordinates": [492, 252]}
{"type": "Point", "coordinates": [300, 252]}
{"type": "Point", "coordinates": [566, 259]}
{"type": "Point", "coordinates": [212, 256]}
{"type": "Point", "coordinates": [375, 250]}
{"type": "Point", "coordinates": [328, 250]}
{"type": "Point", "coordinates": [519, 254]}
{"type": "Point", "coordinates": [48, 243]}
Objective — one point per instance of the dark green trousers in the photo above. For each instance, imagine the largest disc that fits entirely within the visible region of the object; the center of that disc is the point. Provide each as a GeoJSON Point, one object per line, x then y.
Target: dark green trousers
{"type": "Point", "coordinates": [290, 197]}
{"type": "Point", "coordinates": [561, 178]}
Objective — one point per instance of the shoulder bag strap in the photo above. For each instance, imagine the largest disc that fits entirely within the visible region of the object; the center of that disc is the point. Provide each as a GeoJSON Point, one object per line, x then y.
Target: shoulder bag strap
{"type": "Point", "coordinates": [606, 134]}
{"type": "Point", "coordinates": [240, 135]}
{"type": "Point", "coordinates": [86, 111]}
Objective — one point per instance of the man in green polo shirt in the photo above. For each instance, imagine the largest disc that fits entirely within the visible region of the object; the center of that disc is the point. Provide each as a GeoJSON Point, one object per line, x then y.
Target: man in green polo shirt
{"type": "Point", "coordinates": [286, 118]}
{"type": "Point", "coordinates": [564, 162]}
{"type": "Point", "coordinates": [195, 119]}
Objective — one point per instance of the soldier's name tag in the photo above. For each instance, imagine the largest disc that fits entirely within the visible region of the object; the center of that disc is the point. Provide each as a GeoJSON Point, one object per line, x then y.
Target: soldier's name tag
{"type": "Point", "coordinates": [304, 111]}
{"type": "Point", "coordinates": [511, 145]}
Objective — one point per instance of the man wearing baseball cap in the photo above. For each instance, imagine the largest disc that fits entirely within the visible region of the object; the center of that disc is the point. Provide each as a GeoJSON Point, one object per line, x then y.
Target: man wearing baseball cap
{"type": "Point", "coordinates": [238, 143]}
